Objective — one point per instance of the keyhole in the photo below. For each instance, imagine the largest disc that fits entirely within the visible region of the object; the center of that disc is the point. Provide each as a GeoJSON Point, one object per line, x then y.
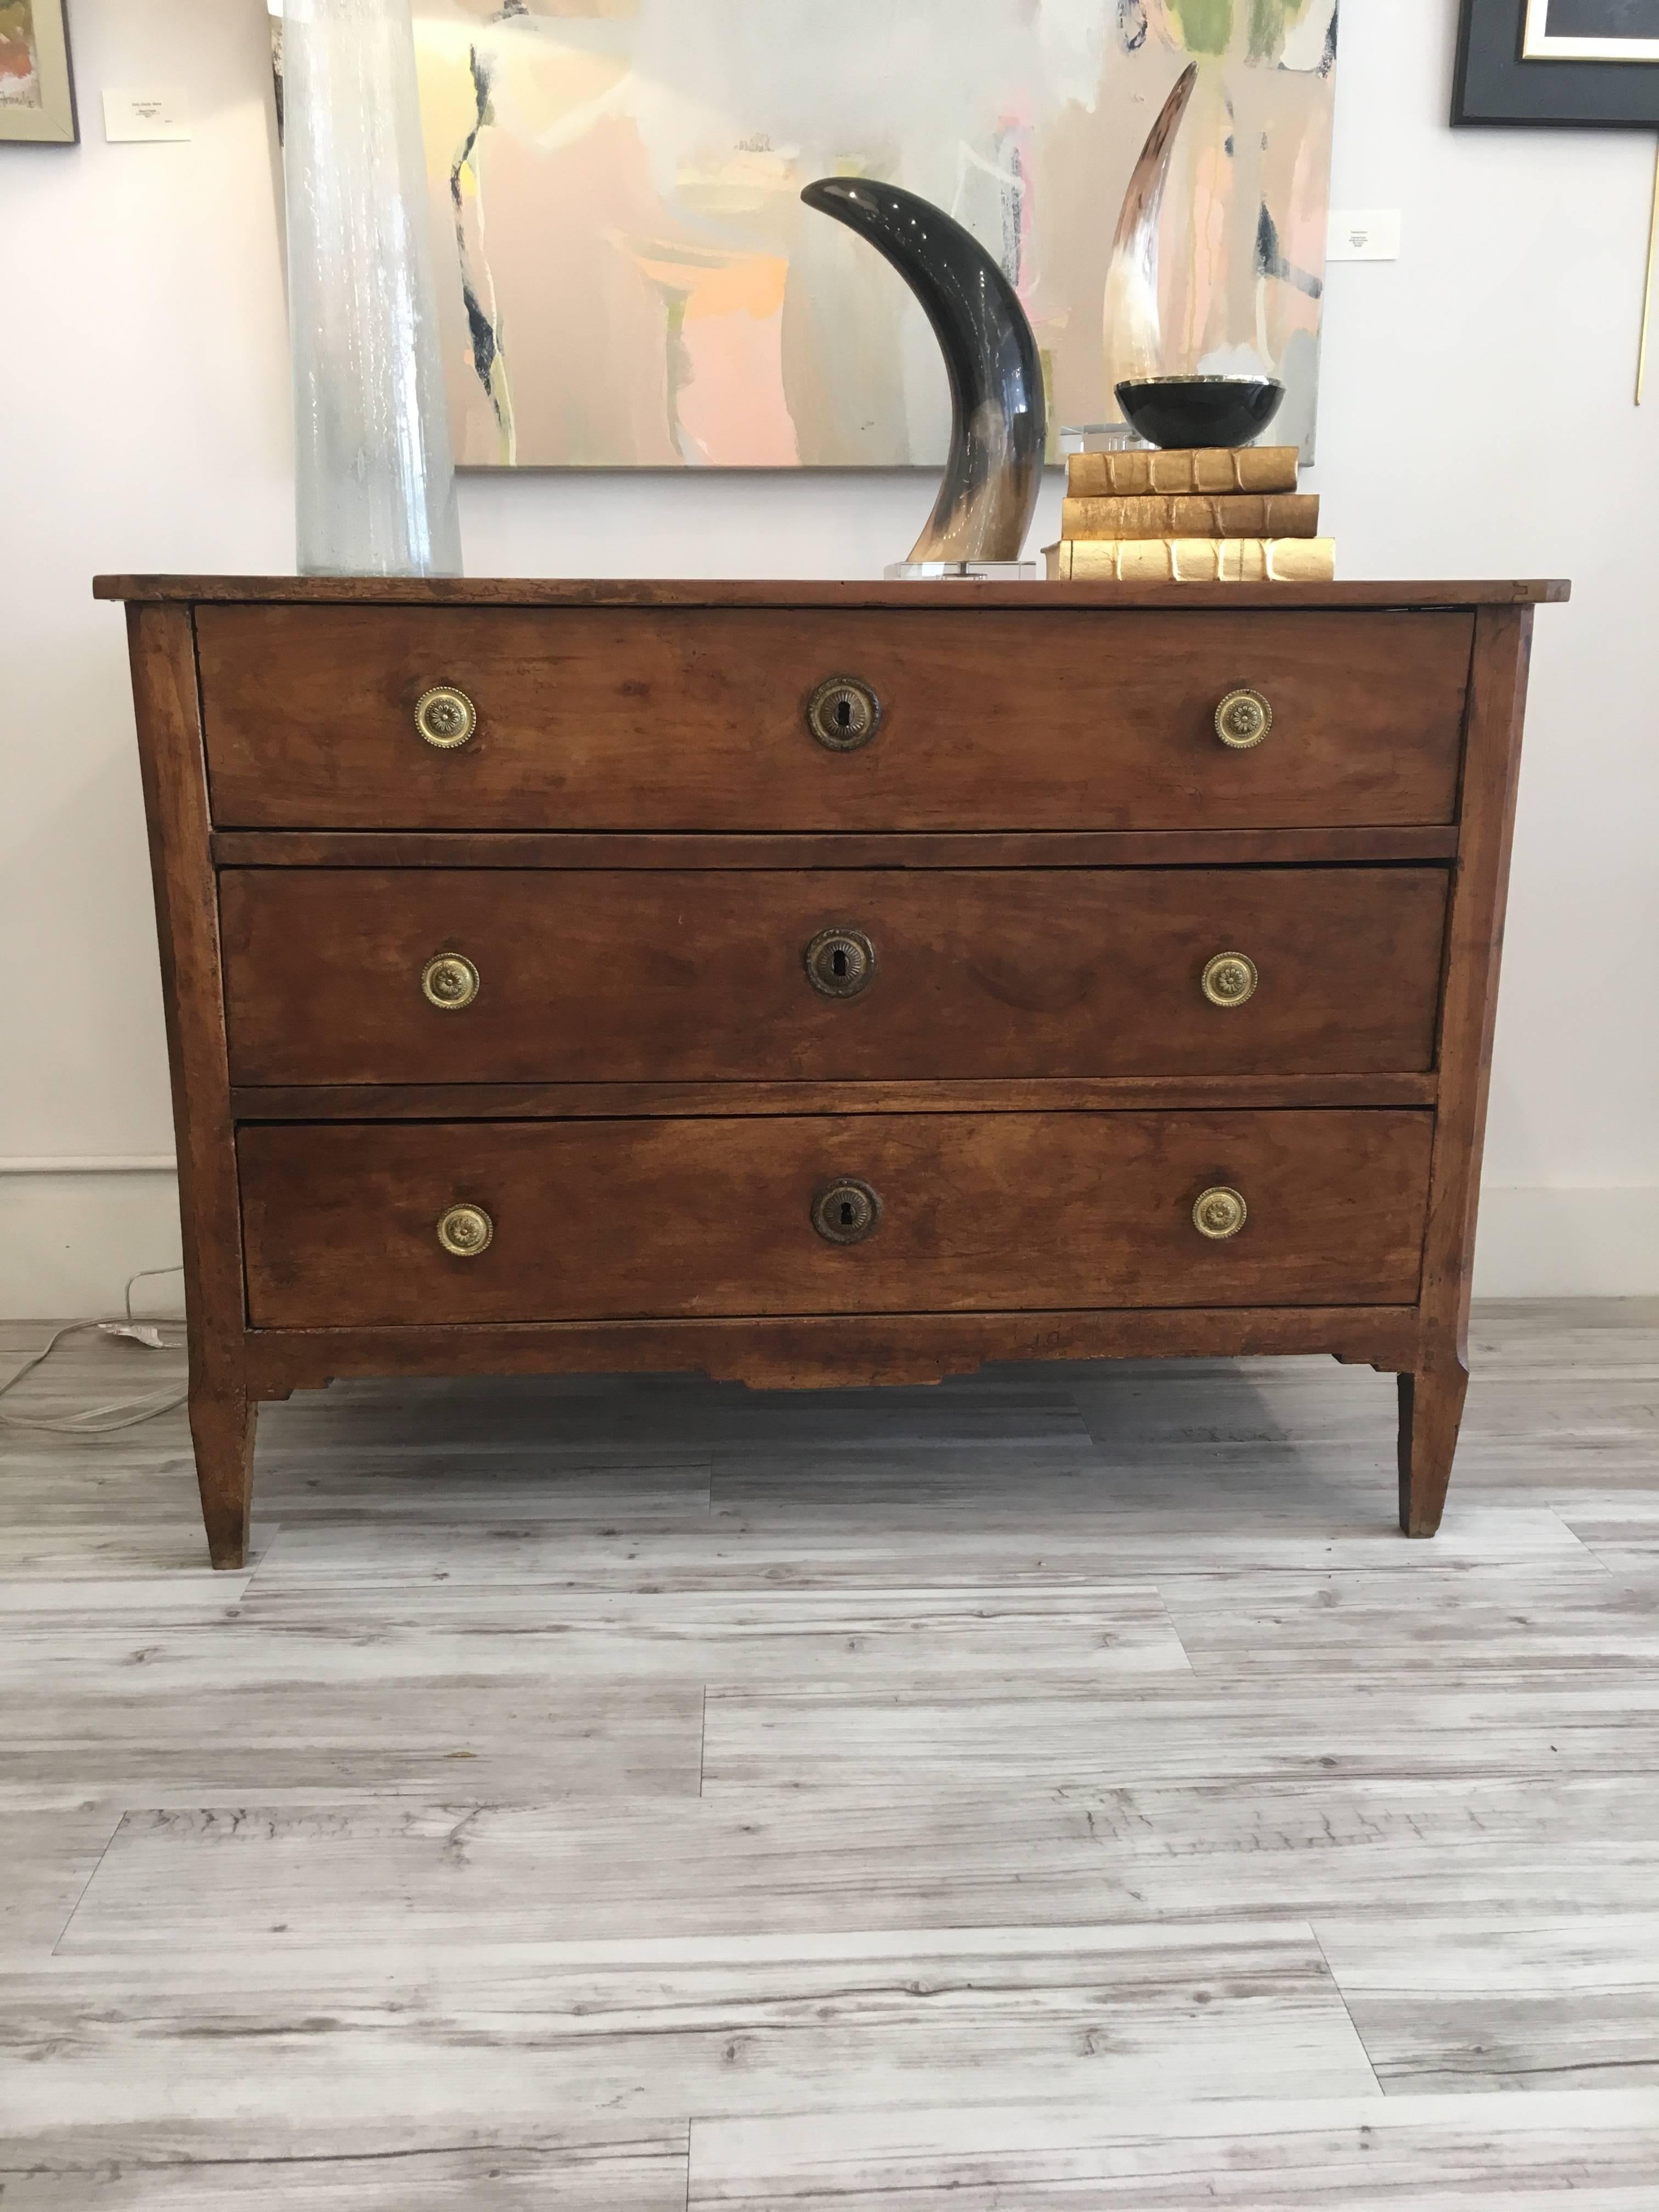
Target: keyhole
{"type": "Point", "coordinates": [844, 713]}
{"type": "Point", "coordinates": [846, 1213]}
{"type": "Point", "coordinates": [838, 961]}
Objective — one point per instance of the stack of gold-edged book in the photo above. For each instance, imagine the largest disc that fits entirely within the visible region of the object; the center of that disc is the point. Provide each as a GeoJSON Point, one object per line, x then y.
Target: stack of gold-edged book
{"type": "Point", "coordinates": [1210, 515]}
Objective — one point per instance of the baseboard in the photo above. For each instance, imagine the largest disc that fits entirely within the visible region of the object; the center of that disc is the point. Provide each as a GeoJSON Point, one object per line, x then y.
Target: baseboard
{"type": "Point", "coordinates": [1572, 1243]}
{"type": "Point", "coordinates": [69, 1242]}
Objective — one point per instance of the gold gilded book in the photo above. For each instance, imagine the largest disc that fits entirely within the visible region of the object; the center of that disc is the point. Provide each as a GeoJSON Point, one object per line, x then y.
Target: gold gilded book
{"type": "Point", "coordinates": [1201, 468]}
{"type": "Point", "coordinates": [1194, 514]}
{"type": "Point", "coordinates": [1192, 561]}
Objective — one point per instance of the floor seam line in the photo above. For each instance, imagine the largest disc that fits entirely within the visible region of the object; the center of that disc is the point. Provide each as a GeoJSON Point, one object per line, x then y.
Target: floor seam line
{"type": "Point", "coordinates": [265, 1550]}
{"type": "Point", "coordinates": [120, 1819]}
{"type": "Point", "coordinates": [1342, 1998]}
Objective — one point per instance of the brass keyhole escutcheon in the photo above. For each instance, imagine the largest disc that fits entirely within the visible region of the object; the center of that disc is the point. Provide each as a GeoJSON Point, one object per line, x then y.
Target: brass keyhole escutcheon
{"type": "Point", "coordinates": [1229, 979]}
{"type": "Point", "coordinates": [445, 717]}
{"type": "Point", "coordinates": [846, 1213]}
{"type": "Point", "coordinates": [1219, 1214]}
{"type": "Point", "coordinates": [1242, 720]}
{"type": "Point", "coordinates": [465, 1231]}
{"type": "Point", "coordinates": [450, 982]}
{"type": "Point", "coordinates": [843, 713]}
{"type": "Point", "coordinates": [840, 963]}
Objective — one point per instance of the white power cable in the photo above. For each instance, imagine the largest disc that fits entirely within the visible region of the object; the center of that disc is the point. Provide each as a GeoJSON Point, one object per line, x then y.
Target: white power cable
{"type": "Point", "coordinates": [123, 1413]}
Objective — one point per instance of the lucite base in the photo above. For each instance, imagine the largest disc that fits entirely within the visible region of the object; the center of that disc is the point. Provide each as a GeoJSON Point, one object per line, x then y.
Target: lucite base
{"type": "Point", "coordinates": [961, 572]}
{"type": "Point", "coordinates": [1100, 438]}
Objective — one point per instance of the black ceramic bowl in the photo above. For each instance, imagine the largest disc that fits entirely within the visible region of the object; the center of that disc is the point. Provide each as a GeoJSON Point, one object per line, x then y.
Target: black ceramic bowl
{"type": "Point", "coordinates": [1200, 411]}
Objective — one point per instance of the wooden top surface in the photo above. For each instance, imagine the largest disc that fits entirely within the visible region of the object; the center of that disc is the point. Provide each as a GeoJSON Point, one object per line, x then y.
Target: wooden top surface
{"type": "Point", "coordinates": [569, 591]}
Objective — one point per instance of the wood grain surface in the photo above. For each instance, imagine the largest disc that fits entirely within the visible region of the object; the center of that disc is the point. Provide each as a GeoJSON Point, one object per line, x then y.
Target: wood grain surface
{"type": "Point", "coordinates": [1043, 837]}
{"type": "Point", "coordinates": [616, 977]}
{"type": "Point", "coordinates": [591, 718]}
{"type": "Point", "coordinates": [834, 1351]}
{"type": "Point", "coordinates": [171, 762]}
{"type": "Point", "coordinates": [538, 1101]}
{"type": "Point", "coordinates": [1019, 1211]}
{"type": "Point", "coordinates": [689, 592]}
{"type": "Point", "coordinates": [613, 1794]}
{"type": "Point", "coordinates": [984, 848]}
{"type": "Point", "coordinates": [1431, 1399]}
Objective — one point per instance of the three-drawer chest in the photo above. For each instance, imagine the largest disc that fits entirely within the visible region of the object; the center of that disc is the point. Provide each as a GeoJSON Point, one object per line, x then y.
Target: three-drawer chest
{"type": "Point", "coordinates": [816, 984]}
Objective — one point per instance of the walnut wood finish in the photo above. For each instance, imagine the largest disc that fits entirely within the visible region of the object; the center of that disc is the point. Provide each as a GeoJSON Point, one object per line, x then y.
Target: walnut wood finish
{"type": "Point", "coordinates": [604, 1102]}
{"type": "Point", "coordinates": [1431, 1399]}
{"type": "Point", "coordinates": [1045, 780]}
{"type": "Point", "coordinates": [816, 1352]}
{"type": "Point", "coordinates": [644, 849]}
{"type": "Point", "coordinates": [592, 720]}
{"type": "Point", "coordinates": [670, 977]}
{"type": "Point", "coordinates": [625, 1219]}
{"type": "Point", "coordinates": [222, 1415]}
{"type": "Point", "coordinates": [683, 592]}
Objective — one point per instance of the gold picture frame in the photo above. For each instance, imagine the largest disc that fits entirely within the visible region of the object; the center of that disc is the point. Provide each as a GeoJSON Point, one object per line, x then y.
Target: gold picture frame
{"type": "Point", "coordinates": [37, 83]}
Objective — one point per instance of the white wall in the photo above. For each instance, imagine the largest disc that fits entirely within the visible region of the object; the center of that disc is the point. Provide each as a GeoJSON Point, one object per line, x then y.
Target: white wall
{"type": "Point", "coordinates": [1477, 421]}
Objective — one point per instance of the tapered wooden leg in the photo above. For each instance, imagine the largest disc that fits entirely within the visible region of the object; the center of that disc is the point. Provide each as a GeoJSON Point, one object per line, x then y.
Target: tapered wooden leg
{"type": "Point", "coordinates": [1431, 1413]}
{"type": "Point", "coordinates": [221, 1424]}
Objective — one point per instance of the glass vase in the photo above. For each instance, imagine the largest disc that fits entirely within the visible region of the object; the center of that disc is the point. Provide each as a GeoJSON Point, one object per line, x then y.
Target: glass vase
{"type": "Point", "coordinates": [374, 475]}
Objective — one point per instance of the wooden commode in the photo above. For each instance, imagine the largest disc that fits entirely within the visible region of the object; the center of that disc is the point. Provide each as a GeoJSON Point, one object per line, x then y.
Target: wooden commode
{"type": "Point", "coordinates": [821, 984]}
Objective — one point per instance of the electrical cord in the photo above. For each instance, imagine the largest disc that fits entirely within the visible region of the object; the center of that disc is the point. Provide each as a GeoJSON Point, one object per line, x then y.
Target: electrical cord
{"type": "Point", "coordinates": [100, 1421]}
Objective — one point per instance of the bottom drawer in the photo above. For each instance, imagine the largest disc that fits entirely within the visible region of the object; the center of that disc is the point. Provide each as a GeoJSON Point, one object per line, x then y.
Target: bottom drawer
{"type": "Point", "coordinates": [597, 1220]}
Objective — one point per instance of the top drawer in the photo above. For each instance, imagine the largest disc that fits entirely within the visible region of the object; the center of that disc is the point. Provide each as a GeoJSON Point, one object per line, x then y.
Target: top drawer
{"type": "Point", "coordinates": [596, 718]}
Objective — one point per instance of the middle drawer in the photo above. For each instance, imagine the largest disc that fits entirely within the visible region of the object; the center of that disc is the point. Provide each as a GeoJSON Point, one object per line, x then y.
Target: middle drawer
{"type": "Point", "coordinates": [495, 975]}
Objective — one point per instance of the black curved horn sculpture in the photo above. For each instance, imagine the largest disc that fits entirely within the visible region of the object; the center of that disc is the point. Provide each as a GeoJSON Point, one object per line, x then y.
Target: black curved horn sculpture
{"type": "Point", "coordinates": [1000, 415]}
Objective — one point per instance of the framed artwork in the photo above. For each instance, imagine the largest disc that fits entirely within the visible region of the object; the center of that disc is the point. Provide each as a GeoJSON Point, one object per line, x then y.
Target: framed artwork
{"type": "Point", "coordinates": [1558, 61]}
{"type": "Point", "coordinates": [1591, 31]}
{"type": "Point", "coordinates": [37, 91]}
{"type": "Point", "coordinates": [627, 277]}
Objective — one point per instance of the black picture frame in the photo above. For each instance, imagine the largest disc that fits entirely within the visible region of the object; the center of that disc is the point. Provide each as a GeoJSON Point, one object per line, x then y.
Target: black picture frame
{"type": "Point", "coordinates": [1494, 85]}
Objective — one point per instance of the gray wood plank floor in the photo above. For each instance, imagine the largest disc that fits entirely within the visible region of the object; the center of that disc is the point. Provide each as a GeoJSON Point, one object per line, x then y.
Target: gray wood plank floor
{"type": "Point", "coordinates": [1060, 1788]}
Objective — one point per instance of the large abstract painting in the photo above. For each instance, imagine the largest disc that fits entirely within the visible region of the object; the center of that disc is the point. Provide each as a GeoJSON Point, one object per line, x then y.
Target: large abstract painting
{"type": "Point", "coordinates": [629, 277]}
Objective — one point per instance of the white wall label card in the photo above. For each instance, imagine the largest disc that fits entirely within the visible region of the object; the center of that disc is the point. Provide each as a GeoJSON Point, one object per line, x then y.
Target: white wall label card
{"type": "Point", "coordinates": [156, 114]}
{"type": "Point", "coordinates": [1364, 234]}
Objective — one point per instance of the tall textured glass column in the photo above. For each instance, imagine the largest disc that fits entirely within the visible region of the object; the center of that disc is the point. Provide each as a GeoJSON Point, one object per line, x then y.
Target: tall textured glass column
{"type": "Point", "coordinates": [375, 477]}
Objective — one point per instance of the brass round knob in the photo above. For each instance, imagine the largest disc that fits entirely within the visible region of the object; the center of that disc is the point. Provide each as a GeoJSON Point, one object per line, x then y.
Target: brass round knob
{"type": "Point", "coordinates": [450, 982]}
{"type": "Point", "coordinates": [1219, 1214]}
{"type": "Point", "coordinates": [465, 1231]}
{"type": "Point", "coordinates": [843, 713]}
{"type": "Point", "coordinates": [445, 717]}
{"type": "Point", "coordinates": [840, 963]}
{"type": "Point", "coordinates": [1242, 720]}
{"type": "Point", "coordinates": [1230, 979]}
{"type": "Point", "coordinates": [846, 1213]}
